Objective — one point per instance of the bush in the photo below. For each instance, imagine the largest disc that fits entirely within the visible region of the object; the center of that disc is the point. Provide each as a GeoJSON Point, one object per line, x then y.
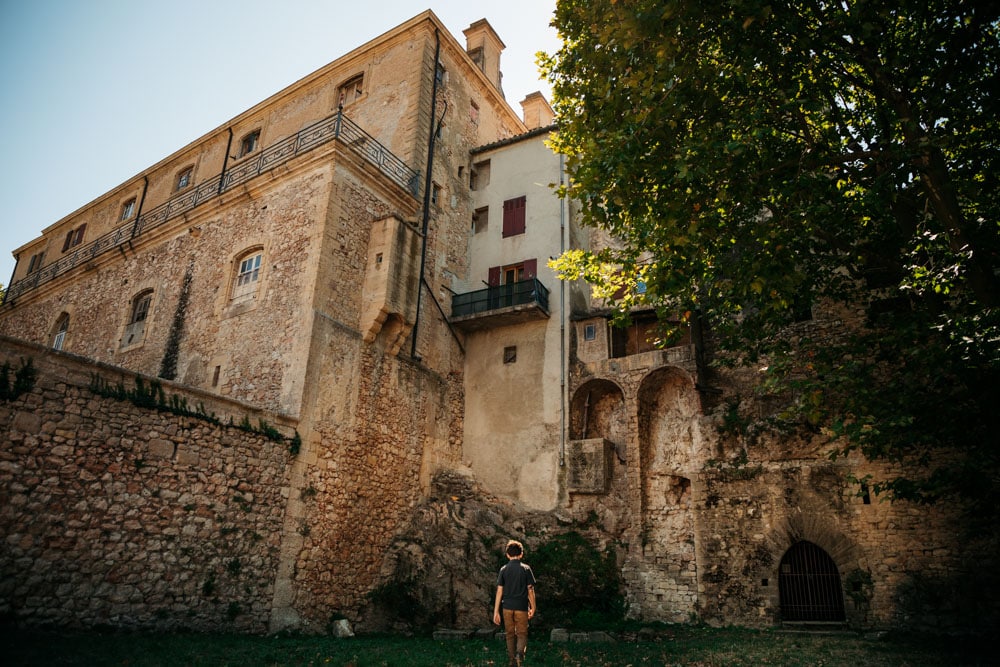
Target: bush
{"type": "Point", "coordinates": [579, 585]}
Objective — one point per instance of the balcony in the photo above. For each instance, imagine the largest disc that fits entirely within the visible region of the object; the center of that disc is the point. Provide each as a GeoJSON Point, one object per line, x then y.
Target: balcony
{"type": "Point", "coordinates": [336, 127]}
{"type": "Point", "coordinates": [500, 305]}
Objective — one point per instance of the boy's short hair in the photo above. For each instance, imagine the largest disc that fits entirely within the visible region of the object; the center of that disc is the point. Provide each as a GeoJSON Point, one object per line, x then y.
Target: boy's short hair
{"type": "Point", "coordinates": [514, 548]}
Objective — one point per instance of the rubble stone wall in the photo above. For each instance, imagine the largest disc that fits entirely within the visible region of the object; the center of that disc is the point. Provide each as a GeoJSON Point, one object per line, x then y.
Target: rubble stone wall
{"type": "Point", "coordinates": [113, 514]}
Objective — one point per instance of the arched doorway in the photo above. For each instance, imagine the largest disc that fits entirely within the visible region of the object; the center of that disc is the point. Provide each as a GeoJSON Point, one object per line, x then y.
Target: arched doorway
{"type": "Point", "coordinates": [809, 585]}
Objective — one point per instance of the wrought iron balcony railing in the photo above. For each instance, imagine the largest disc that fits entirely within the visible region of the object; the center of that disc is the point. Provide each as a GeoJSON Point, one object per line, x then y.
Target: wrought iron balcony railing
{"type": "Point", "coordinates": [337, 126]}
{"type": "Point", "coordinates": [523, 293]}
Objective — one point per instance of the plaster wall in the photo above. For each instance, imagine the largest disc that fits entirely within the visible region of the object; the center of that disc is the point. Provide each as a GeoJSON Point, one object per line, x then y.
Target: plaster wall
{"type": "Point", "coordinates": [512, 418]}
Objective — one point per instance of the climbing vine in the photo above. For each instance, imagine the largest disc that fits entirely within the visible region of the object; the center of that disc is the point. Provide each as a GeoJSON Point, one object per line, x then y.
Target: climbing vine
{"type": "Point", "coordinates": [151, 396]}
{"type": "Point", "coordinates": [23, 380]}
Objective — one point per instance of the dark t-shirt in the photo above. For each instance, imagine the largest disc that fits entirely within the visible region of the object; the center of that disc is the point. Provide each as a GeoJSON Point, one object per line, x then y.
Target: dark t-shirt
{"type": "Point", "coordinates": [515, 577]}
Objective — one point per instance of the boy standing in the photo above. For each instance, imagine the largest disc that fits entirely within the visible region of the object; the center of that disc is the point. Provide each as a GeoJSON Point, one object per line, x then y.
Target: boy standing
{"type": "Point", "coordinates": [516, 593]}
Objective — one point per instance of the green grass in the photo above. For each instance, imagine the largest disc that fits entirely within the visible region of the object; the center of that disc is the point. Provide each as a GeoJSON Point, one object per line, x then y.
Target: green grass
{"type": "Point", "coordinates": [673, 645]}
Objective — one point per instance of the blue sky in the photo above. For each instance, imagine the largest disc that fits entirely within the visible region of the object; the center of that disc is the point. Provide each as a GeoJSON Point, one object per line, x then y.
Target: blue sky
{"type": "Point", "coordinates": [95, 91]}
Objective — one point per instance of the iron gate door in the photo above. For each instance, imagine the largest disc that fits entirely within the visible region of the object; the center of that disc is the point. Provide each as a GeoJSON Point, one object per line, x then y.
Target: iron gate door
{"type": "Point", "coordinates": [809, 585]}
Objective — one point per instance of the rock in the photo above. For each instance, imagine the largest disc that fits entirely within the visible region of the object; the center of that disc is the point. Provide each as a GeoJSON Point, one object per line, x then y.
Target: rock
{"type": "Point", "coordinates": [341, 628]}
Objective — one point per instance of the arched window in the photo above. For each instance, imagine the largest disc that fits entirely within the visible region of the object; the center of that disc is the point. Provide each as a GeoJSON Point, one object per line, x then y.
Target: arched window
{"type": "Point", "coordinates": [809, 585]}
{"type": "Point", "coordinates": [135, 330]}
{"type": "Point", "coordinates": [62, 326]}
{"type": "Point", "coordinates": [184, 177]}
{"type": "Point", "coordinates": [248, 144]}
{"type": "Point", "coordinates": [247, 276]}
{"type": "Point", "coordinates": [352, 89]}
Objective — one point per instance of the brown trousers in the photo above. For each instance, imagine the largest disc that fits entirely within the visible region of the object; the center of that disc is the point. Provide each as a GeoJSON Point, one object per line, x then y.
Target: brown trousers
{"type": "Point", "coordinates": [515, 625]}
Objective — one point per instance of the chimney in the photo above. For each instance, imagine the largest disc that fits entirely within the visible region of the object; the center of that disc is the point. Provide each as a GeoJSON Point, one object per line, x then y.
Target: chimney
{"type": "Point", "coordinates": [536, 111]}
{"type": "Point", "coordinates": [484, 47]}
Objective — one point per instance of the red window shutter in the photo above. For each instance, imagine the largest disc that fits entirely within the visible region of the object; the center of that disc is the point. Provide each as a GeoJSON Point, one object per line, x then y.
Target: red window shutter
{"type": "Point", "coordinates": [530, 269]}
{"type": "Point", "coordinates": [513, 217]}
{"type": "Point", "coordinates": [494, 276]}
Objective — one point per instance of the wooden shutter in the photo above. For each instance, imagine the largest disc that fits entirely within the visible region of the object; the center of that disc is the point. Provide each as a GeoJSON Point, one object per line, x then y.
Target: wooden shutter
{"type": "Point", "coordinates": [494, 276]}
{"type": "Point", "coordinates": [513, 217]}
{"type": "Point", "coordinates": [530, 269]}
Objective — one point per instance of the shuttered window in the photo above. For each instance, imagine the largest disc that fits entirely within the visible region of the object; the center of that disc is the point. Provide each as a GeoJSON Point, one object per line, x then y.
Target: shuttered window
{"type": "Point", "coordinates": [513, 217]}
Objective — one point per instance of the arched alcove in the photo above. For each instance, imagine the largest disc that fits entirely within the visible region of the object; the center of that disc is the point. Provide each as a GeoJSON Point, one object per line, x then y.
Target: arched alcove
{"type": "Point", "coordinates": [668, 406]}
{"type": "Point", "coordinates": [809, 585]}
{"type": "Point", "coordinates": [598, 411]}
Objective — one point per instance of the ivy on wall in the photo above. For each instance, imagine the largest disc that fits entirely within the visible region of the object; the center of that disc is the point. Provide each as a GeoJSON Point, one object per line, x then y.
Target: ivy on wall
{"type": "Point", "coordinates": [168, 366]}
{"type": "Point", "coordinates": [152, 397]}
{"type": "Point", "coordinates": [23, 380]}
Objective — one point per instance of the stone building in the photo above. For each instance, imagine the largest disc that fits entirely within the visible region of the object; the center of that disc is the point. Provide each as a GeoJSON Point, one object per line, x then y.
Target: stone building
{"type": "Point", "coordinates": [360, 261]}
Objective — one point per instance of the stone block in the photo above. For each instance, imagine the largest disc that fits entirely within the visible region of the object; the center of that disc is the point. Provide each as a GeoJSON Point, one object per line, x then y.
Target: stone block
{"type": "Point", "coordinates": [161, 449]}
{"type": "Point", "coordinates": [341, 628]}
{"type": "Point", "coordinates": [590, 464]}
{"type": "Point", "coordinates": [559, 635]}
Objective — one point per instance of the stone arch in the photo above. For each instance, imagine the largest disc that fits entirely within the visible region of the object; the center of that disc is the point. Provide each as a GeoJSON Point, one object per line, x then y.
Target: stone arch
{"type": "Point", "coordinates": [818, 530]}
{"type": "Point", "coordinates": [809, 585]}
{"type": "Point", "coordinates": [597, 410]}
{"type": "Point", "coordinates": [668, 408]}
{"type": "Point", "coordinates": [598, 416]}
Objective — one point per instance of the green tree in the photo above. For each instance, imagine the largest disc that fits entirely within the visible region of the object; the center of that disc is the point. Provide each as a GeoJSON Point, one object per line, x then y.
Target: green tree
{"type": "Point", "coordinates": [756, 157]}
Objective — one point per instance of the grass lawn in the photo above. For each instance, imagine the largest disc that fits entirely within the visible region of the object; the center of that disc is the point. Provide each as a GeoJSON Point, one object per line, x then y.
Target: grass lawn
{"type": "Point", "coordinates": [672, 645]}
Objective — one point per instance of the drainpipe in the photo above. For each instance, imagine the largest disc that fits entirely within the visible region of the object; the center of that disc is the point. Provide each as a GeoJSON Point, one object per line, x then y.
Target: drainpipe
{"type": "Point", "coordinates": [563, 346]}
{"type": "Point", "coordinates": [138, 212]}
{"type": "Point", "coordinates": [428, 182]}
{"type": "Point", "coordinates": [225, 162]}
{"type": "Point", "coordinates": [17, 260]}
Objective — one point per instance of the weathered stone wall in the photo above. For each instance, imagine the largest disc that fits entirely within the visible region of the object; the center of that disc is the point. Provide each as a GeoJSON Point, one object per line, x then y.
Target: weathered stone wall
{"type": "Point", "coordinates": [259, 346]}
{"type": "Point", "coordinates": [705, 517]}
{"type": "Point", "coordinates": [750, 516]}
{"type": "Point", "coordinates": [362, 482]}
{"type": "Point", "coordinates": [111, 514]}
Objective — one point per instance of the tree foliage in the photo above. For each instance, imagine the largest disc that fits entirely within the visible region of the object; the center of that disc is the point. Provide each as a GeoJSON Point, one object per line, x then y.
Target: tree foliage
{"type": "Point", "coordinates": [754, 158]}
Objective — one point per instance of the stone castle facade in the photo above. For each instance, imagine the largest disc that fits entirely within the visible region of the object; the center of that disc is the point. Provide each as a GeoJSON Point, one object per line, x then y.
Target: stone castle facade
{"type": "Point", "coordinates": [343, 293]}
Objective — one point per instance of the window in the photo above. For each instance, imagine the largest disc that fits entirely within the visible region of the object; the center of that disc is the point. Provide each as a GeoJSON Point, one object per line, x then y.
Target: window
{"type": "Point", "coordinates": [480, 220]}
{"type": "Point", "coordinates": [435, 194]}
{"type": "Point", "coordinates": [510, 284]}
{"type": "Point", "coordinates": [512, 273]}
{"type": "Point", "coordinates": [352, 89]}
{"type": "Point", "coordinates": [479, 177]}
{"type": "Point", "coordinates": [590, 332]}
{"type": "Point", "coordinates": [248, 144]}
{"type": "Point", "coordinates": [513, 217]}
{"type": "Point", "coordinates": [510, 354]}
{"type": "Point", "coordinates": [128, 210]}
{"type": "Point", "coordinates": [474, 113]}
{"type": "Point", "coordinates": [184, 177]}
{"type": "Point", "coordinates": [35, 262]}
{"type": "Point", "coordinates": [247, 277]}
{"type": "Point", "coordinates": [135, 330]}
{"type": "Point", "coordinates": [74, 237]}
{"type": "Point", "coordinates": [440, 75]}
{"type": "Point", "coordinates": [62, 326]}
